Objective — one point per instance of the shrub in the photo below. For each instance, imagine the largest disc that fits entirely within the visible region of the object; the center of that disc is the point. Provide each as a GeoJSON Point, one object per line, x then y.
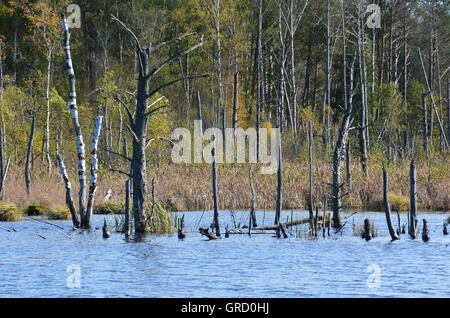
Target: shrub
{"type": "Point", "coordinates": [109, 207]}
{"type": "Point", "coordinates": [397, 202]}
{"type": "Point", "coordinates": [57, 212]}
{"type": "Point", "coordinates": [35, 209]}
{"type": "Point", "coordinates": [9, 212]}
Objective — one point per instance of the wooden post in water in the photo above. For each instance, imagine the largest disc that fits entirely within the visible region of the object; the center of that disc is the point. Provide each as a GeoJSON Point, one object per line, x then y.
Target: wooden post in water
{"type": "Point", "coordinates": [387, 208]}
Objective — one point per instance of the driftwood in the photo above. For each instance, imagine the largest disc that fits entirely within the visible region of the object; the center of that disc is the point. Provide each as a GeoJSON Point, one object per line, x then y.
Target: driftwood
{"type": "Point", "coordinates": [425, 231]}
{"type": "Point", "coordinates": [208, 234]}
{"type": "Point", "coordinates": [239, 232]}
{"type": "Point", "coordinates": [37, 220]}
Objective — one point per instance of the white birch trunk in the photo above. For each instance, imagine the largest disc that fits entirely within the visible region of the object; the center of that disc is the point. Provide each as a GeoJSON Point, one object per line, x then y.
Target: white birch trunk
{"type": "Point", "coordinates": [73, 107]}
{"type": "Point", "coordinates": [94, 168]}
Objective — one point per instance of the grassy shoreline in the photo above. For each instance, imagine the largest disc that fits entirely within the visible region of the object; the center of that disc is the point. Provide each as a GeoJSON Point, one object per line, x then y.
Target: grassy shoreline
{"type": "Point", "coordinates": [186, 187]}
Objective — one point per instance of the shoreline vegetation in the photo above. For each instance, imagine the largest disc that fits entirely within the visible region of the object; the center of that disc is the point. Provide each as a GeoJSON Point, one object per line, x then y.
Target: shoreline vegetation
{"type": "Point", "coordinates": [187, 187]}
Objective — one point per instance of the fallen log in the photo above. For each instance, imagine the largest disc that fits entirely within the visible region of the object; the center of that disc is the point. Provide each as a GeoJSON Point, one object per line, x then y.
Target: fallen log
{"type": "Point", "coordinates": [287, 224]}
{"type": "Point", "coordinates": [208, 234]}
{"type": "Point", "coordinates": [237, 232]}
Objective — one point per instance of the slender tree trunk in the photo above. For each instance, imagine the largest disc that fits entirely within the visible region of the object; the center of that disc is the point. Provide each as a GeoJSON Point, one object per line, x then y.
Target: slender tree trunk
{"type": "Point", "coordinates": [252, 188]}
{"type": "Point", "coordinates": [127, 209]}
{"type": "Point", "coordinates": [94, 168]}
{"type": "Point", "coordinates": [413, 203]}
{"type": "Point", "coordinates": [425, 123]}
{"type": "Point", "coordinates": [29, 156]}
{"type": "Point", "coordinates": [310, 142]}
{"type": "Point", "coordinates": [69, 201]}
{"type": "Point", "coordinates": [279, 205]}
{"type": "Point", "coordinates": [47, 113]}
{"type": "Point", "coordinates": [215, 194]}
{"type": "Point", "coordinates": [387, 208]}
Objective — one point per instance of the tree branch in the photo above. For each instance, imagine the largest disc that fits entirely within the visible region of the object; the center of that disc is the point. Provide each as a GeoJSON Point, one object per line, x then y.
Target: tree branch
{"type": "Point", "coordinates": [173, 57]}
{"type": "Point", "coordinates": [177, 39]}
{"type": "Point", "coordinates": [116, 153]}
{"type": "Point", "coordinates": [175, 81]}
{"type": "Point", "coordinates": [130, 115]}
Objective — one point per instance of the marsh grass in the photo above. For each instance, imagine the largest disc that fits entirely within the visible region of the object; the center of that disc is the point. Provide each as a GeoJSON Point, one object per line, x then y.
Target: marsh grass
{"type": "Point", "coordinates": [9, 212]}
{"type": "Point", "coordinates": [57, 212]}
{"type": "Point", "coordinates": [358, 230]}
{"type": "Point", "coordinates": [398, 202]}
{"type": "Point", "coordinates": [109, 207]}
{"type": "Point", "coordinates": [187, 187]}
{"type": "Point", "coordinates": [35, 210]}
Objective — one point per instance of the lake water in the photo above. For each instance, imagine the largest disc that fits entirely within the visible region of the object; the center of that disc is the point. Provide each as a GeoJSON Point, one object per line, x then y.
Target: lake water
{"type": "Point", "coordinates": [342, 265]}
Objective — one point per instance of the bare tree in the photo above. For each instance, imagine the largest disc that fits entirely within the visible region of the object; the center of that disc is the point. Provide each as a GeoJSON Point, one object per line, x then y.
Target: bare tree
{"type": "Point", "coordinates": [138, 120]}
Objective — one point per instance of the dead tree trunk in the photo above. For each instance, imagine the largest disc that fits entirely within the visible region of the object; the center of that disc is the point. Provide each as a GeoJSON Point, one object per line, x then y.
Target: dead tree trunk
{"type": "Point", "coordinates": [425, 231]}
{"type": "Point", "coordinates": [138, 120]}
{"type": "Point", "coordinates": [413, 203]}
{"type": "Point", "coordinates": [367, 234]}
{"type": "Point", "coordinates": [425, 124]}
{"type": "Point", "coordinates": [387, 208]}
{"type": "Point", "coordinates": [29, 155]}
{"type": "Point", "coordinates": [47, 112]}
{"type": "Point", "coordinates": [127, 209]}
{"type": "Point", "coordinates": [94, 168]}
{"type": "Point", "coordinates": [430, 92]}
{"type": "Point", "coordinates": [214, 188]}
{"type": "Point", "coordinates": [310, 141]}
{"type": "Point", "coordinates": [279, 182]}
{"type": "Point", "coordinates": [69, 201]}
{"type": "Point", "coordinates": [73, 107]}
{"type": "Point", "coordinates": [252, 188]}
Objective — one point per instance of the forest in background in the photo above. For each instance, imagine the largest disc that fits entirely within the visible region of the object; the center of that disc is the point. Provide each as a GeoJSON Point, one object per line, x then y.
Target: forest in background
{"type": "Point", "coordinates": [272, 63]}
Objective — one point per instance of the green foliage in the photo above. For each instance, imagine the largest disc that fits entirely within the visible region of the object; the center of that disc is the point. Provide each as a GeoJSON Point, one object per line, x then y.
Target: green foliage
{"type": "Point", "coordinates": [9, 212]}
{"type": "Point", "coordinates": [56, 212]}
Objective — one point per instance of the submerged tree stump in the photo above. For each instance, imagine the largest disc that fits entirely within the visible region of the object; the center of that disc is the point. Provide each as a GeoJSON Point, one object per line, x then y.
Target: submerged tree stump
{"type": "Point", "coordinates": [181, 234]}
{"type": "Point", "coordinates": [367, 234]}
{"type": "Point", "coordinates": [106, 233]}
{"type": "Point", "coordinates": [425, 231]}
{"type": "Point", "coordinates": [208, 234]}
